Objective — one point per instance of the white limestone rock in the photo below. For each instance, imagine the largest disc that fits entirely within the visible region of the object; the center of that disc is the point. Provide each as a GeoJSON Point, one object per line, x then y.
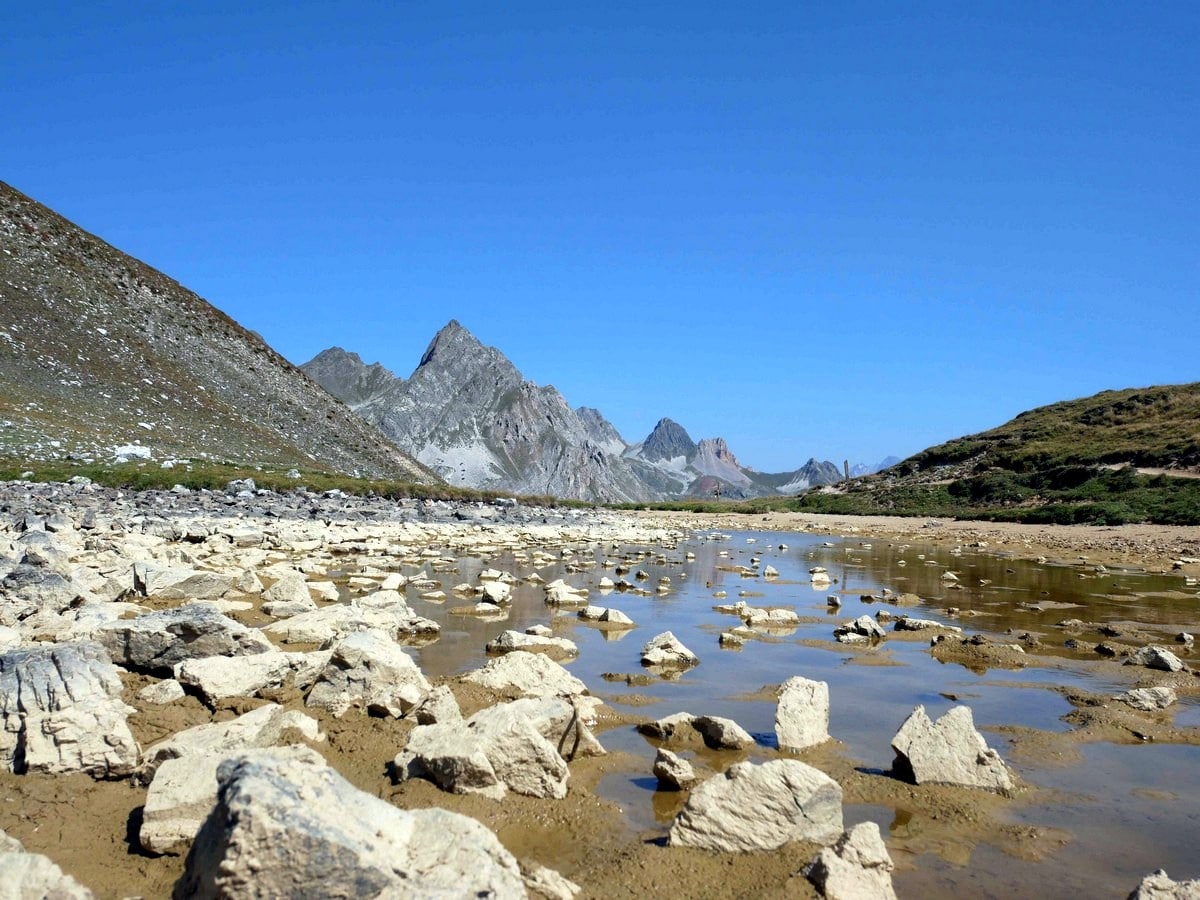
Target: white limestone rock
{"type": "Point", "coordinates": [158, 641]}
{"type": "Point", "coordinates": [151, 579]}
{"type": "Point", "coordinates": [218, 677]}
{"type": "Point", "coordinates": [555, 648]}
{"type": "Point", "coordinates": [674, 773]}
{"type": "Point", "coordinates": [802, 713]}
{"type": "Point", "coordinates": [857, 867]}
{"type": "Point", "coordinates": [1153, 657]}
{"type": "Point", "coordinates": [368, 668]}
{"type": "Point", "coordinates": [722, 734]}
{"type": "Point", "coordinates": [162, 692]}
{"type": "Point", "coordinates": [62, 711]}
{"type": "Point", "coordinates": [266, 726]}
{"type": "Point", "coordinates": [32, 876]}
{"type": "Point", "coordinates": [949, 751]}
{"type": "Point", "coordinates": [1160, 886]}
{"type": "Point", "coordinates": [283, 824]}
{"type": "Point", "coordinates": [340, 619]}
{"type": "Point", "coordinates": [760, 807]}
{"type": "Point", "coordinates": [531, 674]}
{"type": "Point", "coordinates": [1148, 699]}
{"type": "Point", "coordinates": [665, 651]}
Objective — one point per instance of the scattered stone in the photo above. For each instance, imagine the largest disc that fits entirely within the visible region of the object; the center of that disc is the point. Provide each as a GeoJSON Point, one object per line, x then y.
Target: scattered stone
{"type": "Point", "coordinates": [266, 726]}
{"type": "Point", "coordinates": [217, 677]}
{"type": "Point", "coordinates": [802, 713]}
{"type": "Point", "coordinates": [857, 867]}
{"type": "Point", "coordinates": [156, 642]}
{"type": "Point", "coordinates": [862, 629]}
{"type": "Point", "coordinates": [1148, 699]}
{"type": "Point", "coordinates": [760, 807]}
{"type": "Point", "coordinates": [722, 734]}
{"type": "Point", "coordinates": [162, 692]}
{"type": "Point", "coordinates": [949, 751]}
{"type": "Point", "coordinates": [439, 705]}
{"type": "Point", "coordinates": [368, 668]}
{"type": "Point", "coordinates": [531, 674]}
{"type": "Point", "coordinates": [1155, 658]}
{"type": "Point", "coordinates": [1159, 886]}
{"type": "Point", "coordinates": [672, 771]}
{"type": "Point", "coordinates": [30, 876]}
{"type": "Point", "coordinates": [667, 652]}
{"type": "Point", "coordinates": [555, 648]}
{"type": "Point", "coordinates": [520, 746]}
{"type": "Point", "coordinates": [286, 822]}
{"type": "Point", "coordinates": [908, 623]}
{"type": "Point", "coordinates": [62, 711]}
{"type": "Point", "coordinates": [179, 582]}
{"type": "Point", "coordinates": [729, 639]}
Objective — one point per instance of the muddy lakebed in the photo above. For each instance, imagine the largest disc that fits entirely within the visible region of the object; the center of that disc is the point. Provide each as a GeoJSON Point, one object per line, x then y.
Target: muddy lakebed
{"type": "Point", "coordinates": [1098, 807]}
{"type": "Point", "coordinates": [1104, 794]}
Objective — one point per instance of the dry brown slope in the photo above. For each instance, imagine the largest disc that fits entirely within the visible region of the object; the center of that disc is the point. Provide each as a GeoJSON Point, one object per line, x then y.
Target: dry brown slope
{"type": "Point", "coordinates": [99, 350]}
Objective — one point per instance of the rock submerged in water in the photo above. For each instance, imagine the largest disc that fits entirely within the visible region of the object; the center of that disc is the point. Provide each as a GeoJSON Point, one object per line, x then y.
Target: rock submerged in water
{"type": "Point", "coordinates": [1159, 886]}
{"type": "Point", "coordinates": [665, 651]}
{"type": "Point", "coordinates": [760, 807]}
{"type": "Point", "coordinates": [285, 823]}
{"type": "Point", "coordinates": [948, 751]}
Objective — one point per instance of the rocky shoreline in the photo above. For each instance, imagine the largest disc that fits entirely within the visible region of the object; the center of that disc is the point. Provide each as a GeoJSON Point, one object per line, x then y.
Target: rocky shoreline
{"type": "Point", "coordinates": [208, 693]}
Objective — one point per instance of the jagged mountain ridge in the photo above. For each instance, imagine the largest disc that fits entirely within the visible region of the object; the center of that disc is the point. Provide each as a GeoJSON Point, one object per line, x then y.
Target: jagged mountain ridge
{"type": "Point", "coordinates": [99, 350]}
{"type": "Point", "coordinates": [468, 413]}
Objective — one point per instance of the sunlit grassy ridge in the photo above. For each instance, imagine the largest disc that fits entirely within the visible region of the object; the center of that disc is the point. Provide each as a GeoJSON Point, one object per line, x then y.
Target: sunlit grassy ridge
{"type": "Point", "coordinates": [1070, 462]}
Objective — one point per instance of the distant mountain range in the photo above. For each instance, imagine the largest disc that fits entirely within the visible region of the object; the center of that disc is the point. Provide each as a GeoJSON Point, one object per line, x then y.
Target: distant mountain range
{"type": "Point", "coordinates": [99, 352]}
{"type": "Point", "coordinates": [104, 358]}
{"type": "Point", "coordinates": [467, 413]}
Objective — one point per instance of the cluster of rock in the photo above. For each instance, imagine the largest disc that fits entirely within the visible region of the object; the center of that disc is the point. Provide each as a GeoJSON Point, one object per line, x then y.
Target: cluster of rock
{"type": "Point", "coordinates": [102, 591]}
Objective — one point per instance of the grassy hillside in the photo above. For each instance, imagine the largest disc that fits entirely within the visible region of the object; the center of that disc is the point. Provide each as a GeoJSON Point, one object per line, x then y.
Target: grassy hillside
{"type": "Point", "coordinates": [1146, 427]}
{"type": "Point", "coordinates": [1117, 457]}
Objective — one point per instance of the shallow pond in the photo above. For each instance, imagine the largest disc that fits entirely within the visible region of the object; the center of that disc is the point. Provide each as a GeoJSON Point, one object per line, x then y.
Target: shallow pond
{"type": "Point", "coordinates": [1126, 809]}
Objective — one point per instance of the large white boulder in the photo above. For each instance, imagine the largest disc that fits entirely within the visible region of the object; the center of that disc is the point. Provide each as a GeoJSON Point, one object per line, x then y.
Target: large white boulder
{"type": "Point", "coordinates": [1160, 886]}
{"type": "Point", "coordinates": [266, 726]}
{"type": "Point", "coordinates": [340, 619]}
{"type": "Point", "coordinates": [218, 677]}
{"type": "Point", "coordinates": [531, 674]}
{"type": "Point", "coordinates": [760, 807]}
{"type": "Point", "coordinates": [61, 711]}
{"type": "Point", "coordinates": [286, 823]}
{"type": "Point", "coordinates": [857, 867]}
{"type": "Point", "coordinates": [156, 642]}
{"type": "Point", "coordinates": [369, 669]}
{"type": "Point", "coordinates": [802, 713]}
{"type": "Point", "coordinates": [151, 579]}
{"type": "Point", "coordinates": [948, 751]}
{"type": "Point", "coordinates": [521, 746]}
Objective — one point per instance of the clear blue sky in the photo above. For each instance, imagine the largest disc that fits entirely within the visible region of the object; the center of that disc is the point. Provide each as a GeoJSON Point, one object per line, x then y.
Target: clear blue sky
{"type": "Point", "coordinates": [845, 229]}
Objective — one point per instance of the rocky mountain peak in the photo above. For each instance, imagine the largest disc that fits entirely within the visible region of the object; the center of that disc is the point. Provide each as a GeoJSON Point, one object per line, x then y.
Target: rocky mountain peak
{"type": "Point", "coordinates": [344, 374]}
{"type": "Point", "coordinates": [452, 345]}
{"type": "Point", "coordinates": [668, 440]}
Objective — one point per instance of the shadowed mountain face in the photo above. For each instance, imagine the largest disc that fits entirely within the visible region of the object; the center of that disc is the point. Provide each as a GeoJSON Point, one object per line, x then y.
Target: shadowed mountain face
{"type": "Point", "coordinates": [98, 351]}
{"type": "Point", "coordinates": [467, 412]}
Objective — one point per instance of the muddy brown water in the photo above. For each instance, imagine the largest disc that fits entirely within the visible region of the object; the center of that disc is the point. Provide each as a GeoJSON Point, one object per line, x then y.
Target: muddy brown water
{"type": "Point", "coordinates": [1094, 820]}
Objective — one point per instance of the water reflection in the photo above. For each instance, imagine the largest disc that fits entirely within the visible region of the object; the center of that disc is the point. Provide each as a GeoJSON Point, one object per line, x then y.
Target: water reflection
{"type": "Point", "coordinates": [992, 594]}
